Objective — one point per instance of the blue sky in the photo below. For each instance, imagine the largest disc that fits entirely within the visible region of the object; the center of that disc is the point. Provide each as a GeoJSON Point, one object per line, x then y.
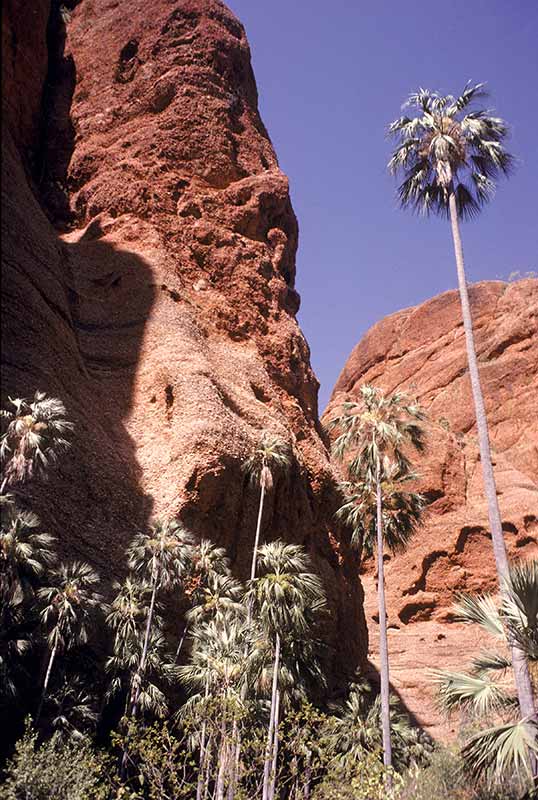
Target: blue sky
{"type": "Point", "coordinates": [330, 77]}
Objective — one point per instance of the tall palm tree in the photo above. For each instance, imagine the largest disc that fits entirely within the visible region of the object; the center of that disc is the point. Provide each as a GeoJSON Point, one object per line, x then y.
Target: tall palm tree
{"type": "Point", "coordinates": [161, 557]}
{"type": "Point", "coordinates": [127, 619]}
{"type": "Point", "coordinates": [218, 597]}
{"type": "Point", "coordinates": [375, 432]}
{"type": "Point", "coordinates": [68, 602]}
{"type": "Point", "coordinates": [272, 453]}
{"type": "Point", "coordinates": [284, 599]}
{"type": "Point", "coordinates": [505, 744]}
{"type": "Point", "coordinates": [217, 668]}
{"type": "Point", "coordinates": [450, 157]}
{"type": "Point", "coordinates": [33, 438]}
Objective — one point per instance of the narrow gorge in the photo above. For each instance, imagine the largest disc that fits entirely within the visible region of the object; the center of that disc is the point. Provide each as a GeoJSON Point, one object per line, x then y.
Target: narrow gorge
{"type": "Point", "coordinates": [148, 281]}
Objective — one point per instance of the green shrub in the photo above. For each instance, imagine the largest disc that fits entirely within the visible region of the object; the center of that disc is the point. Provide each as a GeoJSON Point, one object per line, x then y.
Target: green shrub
{"type": "Point", "coordinates": [160, 763]}
{"type": "Point", "coordinates": [365, 779]}
{"type": "Point", "coordinates": [57, 770]}
{"type": "Point", "coordinates": [447, 778]}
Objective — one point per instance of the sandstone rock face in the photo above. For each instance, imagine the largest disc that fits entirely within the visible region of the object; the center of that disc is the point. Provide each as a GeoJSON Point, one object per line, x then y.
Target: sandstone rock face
{"type": "Point", "coordinates": [148, 276]}
{"type": "Point", "coordinates": [422, 350]}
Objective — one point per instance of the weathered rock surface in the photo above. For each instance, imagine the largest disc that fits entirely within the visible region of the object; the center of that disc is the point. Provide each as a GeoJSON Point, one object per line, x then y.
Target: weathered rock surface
{"type": "Point", "coordinates": [422, 350]}
{"type": "Point", "coordinates": [148, 281]}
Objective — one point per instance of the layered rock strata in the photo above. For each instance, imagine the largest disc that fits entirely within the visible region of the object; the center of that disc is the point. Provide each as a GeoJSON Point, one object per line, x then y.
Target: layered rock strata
{"type": "Point", "coordinates": [148, 281]}
{"type": "Point", "coordinates": [422, 350]}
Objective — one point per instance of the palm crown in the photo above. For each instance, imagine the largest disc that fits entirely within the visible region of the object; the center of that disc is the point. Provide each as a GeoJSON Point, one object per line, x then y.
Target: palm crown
{"type": "Point", "coordinates": [34, 436]}
{"type": "Point", "coordinates": [220, 596]}
{"type": "Point", "coordinates": [447, 147]}
{"type": "Point", "coordinates": [217, 656]}
{"type": "Point", "coordinates": [375, 426]}
{"type": "Point", "coordinates": [286, 590]}
{"type": "Point", "coordinates": [402, 509]}
{"type": "Point", "coordinates": [68, 601]}
{"type": "Point", "coordinates": [129, 609]}
{"type": "Point", "coordinates": [24, 551]}
{"type": "Point", "coordinates": [164, 554]}
{"type": "Point", "coordinates": [272, 452]}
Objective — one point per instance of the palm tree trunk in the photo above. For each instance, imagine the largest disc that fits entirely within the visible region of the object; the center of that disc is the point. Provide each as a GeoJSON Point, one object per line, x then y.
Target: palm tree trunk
{"type": "Point", "coordinates": [47, 678]}
{"type": "Point", "coordinates": [307, 775]}
{"type": "Point", "coordinates": [383, 642]}
{"type": "Point", "coordinates": [235, 751]}
{"type": "Point", "coordinates": [223, 758]}
{"type": "Point", "coordinates": [270, 732]}
{"type": "Point", "coordinates": [256, 545]}
{"type": "Point", "coordinates": [207, 770]}
{"type": "Point", "coordinates": [182, 640]}
{"type": "Point", "coordinates": [272, 786]}
{"type": "Point", "coordinates": [519, 661]}
{"type": "Point", "coordinates": [258, 530]}
{"type": "Point", "coordinates": [201, 763]}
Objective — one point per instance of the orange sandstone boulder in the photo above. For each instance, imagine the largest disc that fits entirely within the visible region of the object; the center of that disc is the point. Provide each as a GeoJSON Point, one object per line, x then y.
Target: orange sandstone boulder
{"type": "Point", "coordinates": [422, 350]}
{"type": "Point", "coordinates": [148, 281]}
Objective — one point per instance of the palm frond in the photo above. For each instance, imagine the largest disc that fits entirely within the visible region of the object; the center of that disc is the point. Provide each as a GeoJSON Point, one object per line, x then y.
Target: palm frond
{"type": "Point", "coordinates": [477, 693]}
{"type": "Point", "coordinates": [519, 608]}
{"type": "Point", "coordinates": [502, 750]}
{"type": "Point", "coordinates": [480, 610]}
{"type": "Point", "coordinates": [490, 662]}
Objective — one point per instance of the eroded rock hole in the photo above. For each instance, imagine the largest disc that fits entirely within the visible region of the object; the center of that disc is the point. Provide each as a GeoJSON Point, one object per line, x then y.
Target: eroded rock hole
{"type": "Point", "coordinates": [509, 527]}
{"type": "Point", "coordinates": [433, 495]}
{"type": "Point", "coordinates": [129, 51]}
{"type": "Point", "coordinates": [169, 397]}
{"type": "Point", "coordinates": [172, 294]}
{"type": "Point", "coordinates": [260, 394]}
{"type": "Point", "coordinates": [128, 62]}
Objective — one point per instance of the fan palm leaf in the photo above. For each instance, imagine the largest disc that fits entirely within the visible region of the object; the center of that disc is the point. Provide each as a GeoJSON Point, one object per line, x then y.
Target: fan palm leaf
{"type": "Point", "coordinates": [33, 438]}
{"type": "Point", "coordinates": [478, 693]}
{"type": "Point", "coordinates": [401, 512]}
{"type": "Point", "coordinates": [508, 747]}
{"type": "Point", "coordinates": [502, 750]}
{"type": "Point", "coordinates": [447, 147]}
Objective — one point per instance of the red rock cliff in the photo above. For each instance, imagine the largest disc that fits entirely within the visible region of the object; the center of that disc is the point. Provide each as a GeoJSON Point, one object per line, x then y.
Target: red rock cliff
{"type": "Point", "coordinates": [148, 277]}
{"type": "Point", "coordinates": [422, 350]}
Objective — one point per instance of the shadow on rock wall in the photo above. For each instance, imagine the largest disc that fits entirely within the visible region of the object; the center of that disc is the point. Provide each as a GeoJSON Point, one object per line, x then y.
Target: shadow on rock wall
{"type": "Point", "coordinates": [73, 326]}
